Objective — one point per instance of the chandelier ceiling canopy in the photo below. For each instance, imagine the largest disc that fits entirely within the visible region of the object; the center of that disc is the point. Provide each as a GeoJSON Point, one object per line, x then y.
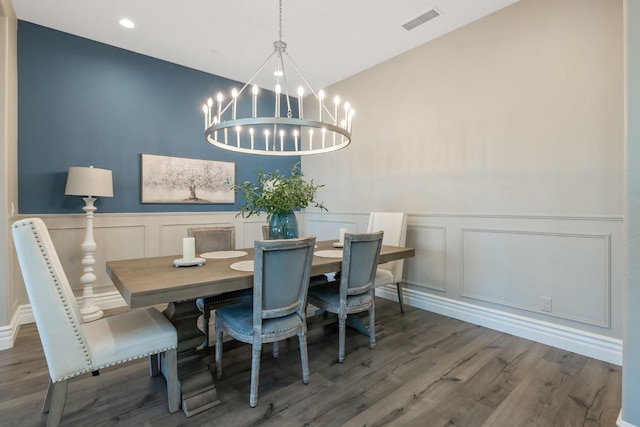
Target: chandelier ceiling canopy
{"type": "Point", "coordinates": [281, 128]}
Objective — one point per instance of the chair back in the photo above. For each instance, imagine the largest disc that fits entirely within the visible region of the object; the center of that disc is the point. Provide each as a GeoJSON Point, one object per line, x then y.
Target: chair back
{"type": "Point", "coordinates": [265, 232]}
{"type": "Point", "coordinates": [359, 262]}
{"type": "Point", "coordinates": [394, 225]}
{"type": "Point", "coordinates": [54, 306]}
{"type": "Point", "coordinates": [209, 239]}
{"type": "Point", "coordinates": [281, 277]}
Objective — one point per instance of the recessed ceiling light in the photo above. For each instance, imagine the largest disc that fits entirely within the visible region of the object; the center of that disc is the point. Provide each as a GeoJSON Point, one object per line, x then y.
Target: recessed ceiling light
{"type": "Point", "coordinates": [127, 23]}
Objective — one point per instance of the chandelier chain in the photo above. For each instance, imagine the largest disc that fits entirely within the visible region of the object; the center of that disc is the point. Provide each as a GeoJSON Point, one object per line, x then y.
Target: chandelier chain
{"type": "Point", "coordinates": [280, 21]}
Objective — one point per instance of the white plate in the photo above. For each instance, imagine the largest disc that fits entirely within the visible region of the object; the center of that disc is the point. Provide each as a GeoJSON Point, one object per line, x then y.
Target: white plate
{"type": "Point", "coordinates": [223, 254]}
{"type": "Point", "coordinates": [242, 265]}
{"type": "Point", "coordinates": [331, 253]}
{"type": "Point", "coordinates": [181, 262]}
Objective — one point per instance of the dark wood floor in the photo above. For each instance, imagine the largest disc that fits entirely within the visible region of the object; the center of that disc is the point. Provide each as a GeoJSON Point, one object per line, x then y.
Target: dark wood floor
{"type": "Point", "coordinates": [427, 370]}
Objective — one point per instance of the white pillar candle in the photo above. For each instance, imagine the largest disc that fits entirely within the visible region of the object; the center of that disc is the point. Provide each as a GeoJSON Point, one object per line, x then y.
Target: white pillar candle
{"type": "Point", "coordinates": [343, 231]}
{"type": "Point", "coordinates": [189, 248]}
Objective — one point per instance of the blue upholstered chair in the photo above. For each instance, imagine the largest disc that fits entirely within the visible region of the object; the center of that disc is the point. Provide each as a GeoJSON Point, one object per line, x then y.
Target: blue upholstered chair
{"type": "Point", "coordinates": [280, 285]}
{"type": "Point", "coordinates": [72, 347]}
{"type": "Point", "coordinates": [354, 293]}
{"type": "Point", "coordinates": [211, 239]}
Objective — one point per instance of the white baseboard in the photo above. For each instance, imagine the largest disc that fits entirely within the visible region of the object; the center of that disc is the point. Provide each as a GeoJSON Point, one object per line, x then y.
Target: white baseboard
{"type": "Point", "coordinates": [588, 344]}
{"type": "Point", "coordinates": [24, 316]}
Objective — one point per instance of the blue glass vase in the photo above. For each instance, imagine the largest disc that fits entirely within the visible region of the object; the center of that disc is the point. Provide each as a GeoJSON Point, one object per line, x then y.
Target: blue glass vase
{"type": "Point", "coordinates": [283, 226]}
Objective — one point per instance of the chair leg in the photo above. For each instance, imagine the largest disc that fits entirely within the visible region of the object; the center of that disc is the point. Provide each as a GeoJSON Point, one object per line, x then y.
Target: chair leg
{"type": "Point", "coordinates": [206, 315]}
{"type": "Point", "coordinates": [47, 398]}
{"type": "Point", "coordinates": [154, 365]}
{"type": "Point", "coordinates": [275, 349]}
{"type": "Point", "coordinates": [218, 350]}
{"type": "Point", "coordinates": [372, 326]}
{"type": "Point", "coordinates": [400, 297]}
{"type": "Point", "coordinates": [342, 332]}
{"type": "Point", "coordinates": [304, 358]}
{"type": "Point", "coordinates": [58, 391]}
{"type": "Point", "coordinates": [173, 390]}
{"type": "Point", "coordinates": [255, 374]}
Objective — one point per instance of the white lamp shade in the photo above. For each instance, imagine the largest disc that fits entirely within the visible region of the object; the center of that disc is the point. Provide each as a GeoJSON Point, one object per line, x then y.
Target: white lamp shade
{"type": "Point", "coordinates": [83, 181]}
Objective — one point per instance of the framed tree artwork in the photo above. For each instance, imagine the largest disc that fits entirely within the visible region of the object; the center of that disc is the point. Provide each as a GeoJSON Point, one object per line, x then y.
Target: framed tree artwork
{"type": "Point", "coordinates": [180, 180]}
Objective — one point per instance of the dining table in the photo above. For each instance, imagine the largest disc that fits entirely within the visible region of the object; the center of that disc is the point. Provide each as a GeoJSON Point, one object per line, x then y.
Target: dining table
{"type": "Point", "coordinates": [163, 280]}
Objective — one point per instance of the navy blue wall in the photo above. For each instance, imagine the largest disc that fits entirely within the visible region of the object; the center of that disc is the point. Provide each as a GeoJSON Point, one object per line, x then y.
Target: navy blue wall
{"type": "Point", "coordinates": [84, 103]}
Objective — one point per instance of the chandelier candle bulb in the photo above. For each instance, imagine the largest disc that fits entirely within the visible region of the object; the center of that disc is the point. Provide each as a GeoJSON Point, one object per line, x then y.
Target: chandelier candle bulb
{"type": "Point", "coordinates": [266, 140]}
{"type": "Point", "coordinates": [321, 106]}
{"type": "Point", "coordinates": [206, 116]}
{"type": "Point", "coordinates": [251, 133]}
{"type": "Point", "coordinates": [226, 141]}
{"type": "Point", "coordinates": [300, 95]}
{"type": "Point", "coordinates": [281, 140]}
{"type": "Point", "coordinates": [238, 135]}
{"type": "Point", "coordinates": [219, 105]}
{"type": "Point", "coordinates": [295, 138]}
{"type": "Point", "coordinates": [234, 95]}
{"type": "Point", "coordinates": [254, 101]}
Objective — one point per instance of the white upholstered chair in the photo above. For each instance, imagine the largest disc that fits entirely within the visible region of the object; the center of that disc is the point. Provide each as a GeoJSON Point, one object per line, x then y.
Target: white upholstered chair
{"type": "Point", "coordinates": [72, 347]}
{"type": "Point", "coordinates": [211, 239]}
{"type": "Point", "coordinates": [354, 294]}
{"type": "Point", "coordinates": [280, 285]}
{"type": "Point", "coordinates": [394, 225]}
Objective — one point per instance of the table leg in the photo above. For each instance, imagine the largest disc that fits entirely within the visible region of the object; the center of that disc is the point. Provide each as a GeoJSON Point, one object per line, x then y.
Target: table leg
{"type": "Point", "coordinates": [196, 380]}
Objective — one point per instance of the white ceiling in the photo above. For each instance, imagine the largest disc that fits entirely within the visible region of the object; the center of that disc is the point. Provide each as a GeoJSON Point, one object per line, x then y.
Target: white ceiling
{"type": "Point", "coordinates": [329, 40]}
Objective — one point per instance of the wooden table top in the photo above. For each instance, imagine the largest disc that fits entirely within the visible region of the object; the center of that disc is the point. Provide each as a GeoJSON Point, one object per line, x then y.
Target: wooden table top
{"type": "Point", "coordinates": [149, 281]}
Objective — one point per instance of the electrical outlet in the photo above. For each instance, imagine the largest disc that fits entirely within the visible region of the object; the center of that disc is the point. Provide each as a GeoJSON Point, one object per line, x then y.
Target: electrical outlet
{"type": "Point", "coordinates": [546, 304]}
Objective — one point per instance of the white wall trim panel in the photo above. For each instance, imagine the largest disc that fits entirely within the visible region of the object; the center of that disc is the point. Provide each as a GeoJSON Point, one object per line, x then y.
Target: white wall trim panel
{"type": "Point", "coordinates": [430, 261]}
{"type": "Point", "coordinates": [588, 344]}
{"type": "Point", "coordinates": [532, 261]}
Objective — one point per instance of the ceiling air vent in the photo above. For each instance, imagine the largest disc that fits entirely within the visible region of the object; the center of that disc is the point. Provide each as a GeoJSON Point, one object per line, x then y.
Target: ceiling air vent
{"type": "Point", "coordinates": [421, 19]}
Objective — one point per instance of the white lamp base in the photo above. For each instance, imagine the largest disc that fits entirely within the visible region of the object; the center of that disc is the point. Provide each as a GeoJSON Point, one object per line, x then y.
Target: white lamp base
{"type": "Point", "coordinates": [91, 312]}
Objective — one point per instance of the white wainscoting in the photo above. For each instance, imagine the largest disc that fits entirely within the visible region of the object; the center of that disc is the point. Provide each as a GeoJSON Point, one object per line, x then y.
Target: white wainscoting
{"type": "Point", "coordinates": [493, 270]}
{"type": "Point", "coordinates": [487, 269]}
{"type": "Point", "coordinates": [516, 268]}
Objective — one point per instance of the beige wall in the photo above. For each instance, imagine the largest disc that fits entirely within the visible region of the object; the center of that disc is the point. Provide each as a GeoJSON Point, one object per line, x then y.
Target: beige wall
{"type": "Point", "coordinates": [518, 113]}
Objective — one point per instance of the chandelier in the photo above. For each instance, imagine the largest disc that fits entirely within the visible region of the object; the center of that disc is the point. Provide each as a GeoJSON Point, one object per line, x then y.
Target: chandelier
{"type": "Point", "coordinates": [286, 132]}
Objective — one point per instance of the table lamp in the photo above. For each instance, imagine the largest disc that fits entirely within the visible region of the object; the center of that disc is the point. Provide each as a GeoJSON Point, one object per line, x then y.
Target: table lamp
{"type": "Point", "coordinates": [89, 183]}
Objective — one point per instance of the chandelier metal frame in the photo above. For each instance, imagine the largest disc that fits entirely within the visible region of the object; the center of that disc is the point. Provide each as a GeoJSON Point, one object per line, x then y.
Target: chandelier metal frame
{"type": "Point", "coordinates": [281, 136]}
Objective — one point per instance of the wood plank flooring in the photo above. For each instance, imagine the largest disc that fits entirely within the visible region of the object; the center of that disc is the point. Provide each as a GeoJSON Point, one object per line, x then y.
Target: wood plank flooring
{"type": "Point", "coordinates": [426, 370]}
